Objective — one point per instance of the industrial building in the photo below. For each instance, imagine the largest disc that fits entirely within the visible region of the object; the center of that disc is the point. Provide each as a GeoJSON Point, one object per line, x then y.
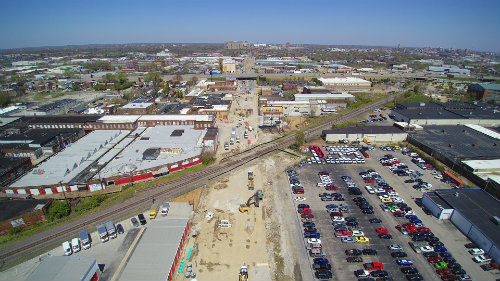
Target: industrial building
{"type": "Point", "coordinates": [177, 147]}
{"type": "Point", "coordinates": [449, 69]}
{"type": "Point", "coordinates": [358, 134]}
{"type": "Point", "coordinates": [64, 268]}
{"type": "Point", "coordinates": [157, 253]}
{"type": "Point", "coordinates": [22, 212]}
{"type": "Point", "coordinates": [473, 211]}
{"type": "Point", "coordinates": [346, 83]}
{"type": "Point", "coordinates": [485, 92]}
{"type": "Point", "coordinates": [13, 168]}
{"type": "Point", "coordinates": [449, 113]}
{"type": "Point", "coordinates": [454, 145]}
{"type": "Point", "coordinates": [65, 166]}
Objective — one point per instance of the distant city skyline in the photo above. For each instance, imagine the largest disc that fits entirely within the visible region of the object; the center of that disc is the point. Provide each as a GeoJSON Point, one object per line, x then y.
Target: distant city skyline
{"type": "Point", "coordinates": [462, 24]}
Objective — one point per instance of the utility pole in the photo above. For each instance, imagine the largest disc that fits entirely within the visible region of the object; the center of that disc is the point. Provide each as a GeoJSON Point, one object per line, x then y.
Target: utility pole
{"type": "Point", "coordinates": [64, 194]}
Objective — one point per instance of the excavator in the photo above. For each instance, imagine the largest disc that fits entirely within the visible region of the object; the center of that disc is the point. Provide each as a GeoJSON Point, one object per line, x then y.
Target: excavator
{"type": "Point", "coordinates": [257, 196]}
{"type": "Point", "coordinates": [243, 273]}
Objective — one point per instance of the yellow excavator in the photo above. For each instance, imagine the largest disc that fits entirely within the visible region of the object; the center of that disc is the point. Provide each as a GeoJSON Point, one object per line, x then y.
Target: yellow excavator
{"type": "Point", "coordinates": [257, 196]}
{"type": "Point", "coordinates": [243, 273]}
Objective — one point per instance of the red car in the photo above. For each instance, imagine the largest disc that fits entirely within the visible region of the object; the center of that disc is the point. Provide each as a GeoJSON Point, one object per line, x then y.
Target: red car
{"type": "Point", "coordinates": [444, 271]}
{"type": "Point", "coordinates": [343, 234]}
{"type": "Point", "coordinates": [298, 191]}
{"type": "Point", "coordinates": [308, 216]}
{"type": "Point", "coordinates": [305, 211]}
{"type": "Point", "coordinates": [411, 229]}
{"type": "Point", "coordinates": [336, 214]}
{"type": "Point", "coordinates": [434, 259]}
{"type": "Point", "coordinates": [366, 155]}
{"type": "Point", "coordinates": [373, 265]}
{"type": "Point", "coordinates": [409, 224]}
{"type": "Point", "coordinates": [331, 187]}
{"type": "Point", "coordinates": [424, 229]}
{"type": "Point", "coordinates": [369, 180]}
{"type": "Point", "coordinates": [382, 230]}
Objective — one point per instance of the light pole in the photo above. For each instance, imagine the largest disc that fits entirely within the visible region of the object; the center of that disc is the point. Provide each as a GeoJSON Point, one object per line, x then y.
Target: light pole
{"type": "Point", "coordinates": [64, 194]}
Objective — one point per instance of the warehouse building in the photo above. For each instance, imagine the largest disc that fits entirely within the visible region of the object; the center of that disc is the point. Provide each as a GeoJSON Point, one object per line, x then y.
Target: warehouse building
{"type": "Point", "coordinates": [358, 134]}
{"type": "Point", "coordinates": [21, 212]}
{"type": "Point", "coordinates": [449, 113]}
{"type": "Point", "coordinates": [346, 83]}
{"type": "Point", "coordinates": [158, 251]}
{"type": "Point", "coordinates": [473, 211]}
{"type": "Point", "coordinates": [64, 268]}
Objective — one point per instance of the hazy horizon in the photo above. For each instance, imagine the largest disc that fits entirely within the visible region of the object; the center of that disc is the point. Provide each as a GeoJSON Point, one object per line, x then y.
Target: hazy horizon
{"type": "Point", "coordinates": [461, 24]}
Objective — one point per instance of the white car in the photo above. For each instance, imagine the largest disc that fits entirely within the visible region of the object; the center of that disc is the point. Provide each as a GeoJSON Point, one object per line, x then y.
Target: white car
{"type": "Point", "coordinates": [339, 219]}
{"type": "Point", "coordinates": [300, 198]}
{"type": "Point", "coordinates": [427, 249]}
{"type": "Point", "coordinates": [395, 247]}
{"type": "Point", "coordinates": [481, 258]}
{"type": "Point", "coordinates": [476, 251]}
{"type": "Point", "coordinates": [369, 189]}
{"type": "Point", "coordinates": [313, 241]}
{"type": "Point", "coordinates": [347, 240]}
{"type": "Point", "coordinates": [357, 233]}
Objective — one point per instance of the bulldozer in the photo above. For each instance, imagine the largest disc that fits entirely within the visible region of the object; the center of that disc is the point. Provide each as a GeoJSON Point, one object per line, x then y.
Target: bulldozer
{"type": "Point", "coordinates": [243, 273]}
{"type": "Point", "coordinates": [257, 196]}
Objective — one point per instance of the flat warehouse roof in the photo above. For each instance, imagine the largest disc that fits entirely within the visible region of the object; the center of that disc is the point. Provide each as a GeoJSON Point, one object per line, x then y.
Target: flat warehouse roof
{"type": "Point", "coordinates": [477, 206]}
{"type": "Point", "coordinates": [154, 255]}
{"type": "Point", "coordinates": [177, 117]}
{"type": "Point", "coordinates": [458, 142]}
{"type": "Point", "coordinates": [81, 153]}
{"type": "Point", "coordinates": [63, 268]}
{"type": "Point", "coordinates": [428, 114]}
{"type": "Point", "coordinates": [130, 159]}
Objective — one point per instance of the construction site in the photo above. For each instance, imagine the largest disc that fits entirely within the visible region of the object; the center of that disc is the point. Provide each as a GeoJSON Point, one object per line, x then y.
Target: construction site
{"type": "Point", "coordinates": [235, 232]}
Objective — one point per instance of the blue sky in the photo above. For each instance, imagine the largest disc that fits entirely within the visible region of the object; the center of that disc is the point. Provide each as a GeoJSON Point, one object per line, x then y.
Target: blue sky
{"type": "Point", "coordinates": [419, 23]}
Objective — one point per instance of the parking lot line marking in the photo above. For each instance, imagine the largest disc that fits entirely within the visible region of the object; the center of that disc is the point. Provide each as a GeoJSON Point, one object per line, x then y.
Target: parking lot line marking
{"type": "Point", "coordinates": [127, 255]}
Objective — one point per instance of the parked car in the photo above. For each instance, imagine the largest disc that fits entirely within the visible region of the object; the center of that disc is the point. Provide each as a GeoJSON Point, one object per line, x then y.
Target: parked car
{"type": "Point", "coordinates": [142, 219]}
{"type": "Point", "coordinates": [134, 222]}
{"type": "Point", "coordinates": [119, 229]}
{"type": "Point", "coordinates": [399, 254]}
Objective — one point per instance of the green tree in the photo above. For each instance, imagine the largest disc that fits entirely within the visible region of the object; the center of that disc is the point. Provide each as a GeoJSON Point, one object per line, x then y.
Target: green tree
{"type": "Point", "coordinates": [58, 209]}
{"type": "Point", "coordinates": [128, 95]}
{"type": "Point", "coordinates": [154, 77]}
{"type": "Point", "coordinates": [68, 73]}
{"type": "Point", "coordinates": [122, 78]}
{"type": "Point", "coordinates": [75, 87]}
{"type": "Point", "coordinates": [180, 95]}
{"type": "Point", "coordinates": [166, 89]}
{"type": "Point", "coordinates": [5, 99]}
{"type": "Point", "coordinates": [299, 139]}
{"type": "Point", "coordinates": [289, 95]}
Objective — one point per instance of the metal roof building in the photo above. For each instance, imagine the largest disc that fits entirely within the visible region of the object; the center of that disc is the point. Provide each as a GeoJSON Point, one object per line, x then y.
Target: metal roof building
{"type": "Point", "coordinates": [155, 255]}
{"type": "Point", "coordinates": [172, 149]}
{"type": "Point", "coordinates": [63, 268]}
{"type": "Point", "coordinates": [73, 160]}
{"type": "Point", "coordinates": [472, 211]}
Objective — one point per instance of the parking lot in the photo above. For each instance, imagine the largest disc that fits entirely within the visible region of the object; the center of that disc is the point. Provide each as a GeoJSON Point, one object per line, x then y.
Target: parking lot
{"type": "Point", "coordinates": [334, 248]}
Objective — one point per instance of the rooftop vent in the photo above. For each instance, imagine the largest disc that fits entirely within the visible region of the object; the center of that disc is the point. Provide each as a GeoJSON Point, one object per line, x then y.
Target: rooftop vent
{"type": "Point", "coordinates": [422, 104]}
{"type": "Point", "coordinates": [457, 194]}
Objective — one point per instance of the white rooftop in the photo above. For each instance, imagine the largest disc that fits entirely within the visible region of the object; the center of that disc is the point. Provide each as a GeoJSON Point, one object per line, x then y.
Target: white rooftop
{"type": "Point", "coordinates": [287, 102]}
{"type": "Point", "coordinates": [177, 117]}
{"type": "Point", "coordinates": [490, 165]}
{"type": "Point", "coordinates": [340, 80]}
{"type": "Point", "coordinates": [118, 119]}
{"type": "Point", "coordinates": [137, 105]}
{"type": "Point", "coordinates": [323, 96]}
{"type": "Point", "coordinates": [130, 159]}
{"type": "Point", "coordinates": [484, 130]}
{"type": "Point", "coordinates": [67, 164]}
{"type": "Point", "coordinates": [219, 107]}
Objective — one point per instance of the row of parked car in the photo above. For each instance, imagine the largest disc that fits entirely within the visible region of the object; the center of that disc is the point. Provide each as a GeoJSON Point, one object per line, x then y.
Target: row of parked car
{"type": "Point", "coordinates": [321, 265]}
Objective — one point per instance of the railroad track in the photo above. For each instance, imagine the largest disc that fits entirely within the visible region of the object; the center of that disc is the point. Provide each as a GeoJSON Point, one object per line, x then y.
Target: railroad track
{"type": "Point", "coordinates": [43, 240]}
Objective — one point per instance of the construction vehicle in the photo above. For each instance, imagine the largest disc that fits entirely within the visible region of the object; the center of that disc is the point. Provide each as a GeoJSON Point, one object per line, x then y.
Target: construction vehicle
{"type": "Point", "coordinates": [243, 273]}
{"type": "Point", "coordinates": [250, 185]}
{"type": "Point", "coordinates": [250, 175]}
{"type": "Point", "coordinates": [257, 197]}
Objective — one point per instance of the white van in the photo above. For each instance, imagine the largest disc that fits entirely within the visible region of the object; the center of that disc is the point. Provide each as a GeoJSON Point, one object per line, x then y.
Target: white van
{"type": "Point", "coordinates": [75, 244]}
{"type": "Point", "coordinates": [250, 128]}
{"type": "Point", "coordinates": [67, 248]}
